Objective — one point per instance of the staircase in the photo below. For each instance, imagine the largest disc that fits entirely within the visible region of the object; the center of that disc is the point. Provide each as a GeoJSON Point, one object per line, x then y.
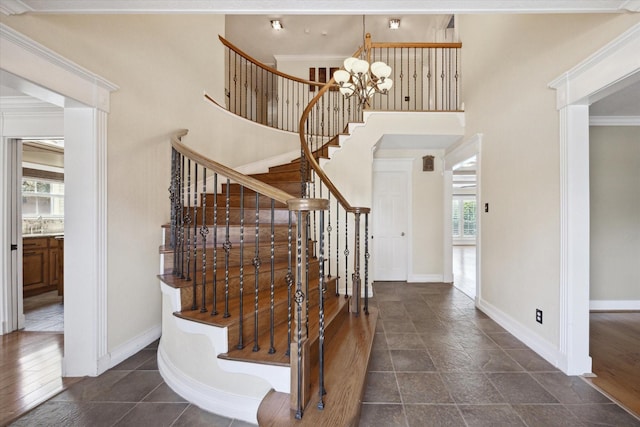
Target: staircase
{"type": "Point", "coordinates": [256, 305]}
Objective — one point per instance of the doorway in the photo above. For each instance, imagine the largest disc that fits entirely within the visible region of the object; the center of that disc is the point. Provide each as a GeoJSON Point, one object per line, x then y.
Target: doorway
{"type": "Point", "coordinates": [464, 209]}
{"type": "Point", "coordinates": [391, 222]}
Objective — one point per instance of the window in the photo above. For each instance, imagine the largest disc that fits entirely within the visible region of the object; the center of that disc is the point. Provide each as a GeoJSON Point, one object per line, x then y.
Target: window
{"type": "Point", "coordinates": [463, 218]}
{"type": "Point", "coordinates": [42, 198]}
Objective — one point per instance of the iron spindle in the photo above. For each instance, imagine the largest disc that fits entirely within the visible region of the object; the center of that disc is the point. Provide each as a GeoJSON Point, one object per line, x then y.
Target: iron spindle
{"type": "Point", "coordinates": [187, 221]}
{"type": "Point", "coordinates": [366, 263]}
{"type": "Point", "coordinates": [195, 228]}
{"type": "Point", "coordinates": [321, 289]}
{"type": "Point", "coordinates": [241, 296]}
{"type": "Point", "coordinates": [256, 265]}
{"type": "Point", "coordinates": [181, 251]}
{"type": "Point", "coordinates": [329, 233]}
{"type": "Point", "coordinates": [299, 297]}
{"type": "Point", "coordinates": [227, 248]}
{"type": "Point", "coordinates": [272, 283]}
{"type": "Point", "coordinates": [289, 279]}
{"type": "Point", "coordinates": [204, 230]}
{"type": "Point", "coordinates": [338, 248]}
{"type": "Point", "coordinates": [214, 309]}
{"type": "Point", "coordinates": [307, 217]}
{"type": "Point", "coordinates": [346, 252]}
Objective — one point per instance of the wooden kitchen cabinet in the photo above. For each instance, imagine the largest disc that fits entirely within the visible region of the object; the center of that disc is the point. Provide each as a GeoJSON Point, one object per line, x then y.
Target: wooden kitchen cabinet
{"type": "Point", "coordinates": [42, 265]}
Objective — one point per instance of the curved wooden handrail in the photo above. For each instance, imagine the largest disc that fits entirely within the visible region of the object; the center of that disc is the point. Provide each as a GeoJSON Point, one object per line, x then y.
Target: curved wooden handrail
{"type": "Point", "coordinates": [312, 160]}
{"type": "Point", "coordinates": [259, 64]}
{"type": "Point", "coordinates": [236, 177]}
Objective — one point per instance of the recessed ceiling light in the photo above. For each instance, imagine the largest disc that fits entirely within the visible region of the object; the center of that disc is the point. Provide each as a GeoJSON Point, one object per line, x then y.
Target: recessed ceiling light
{"type": "Point", "coordinates": [276, 24]}
{"type": "Point", "coordinates": [394, 24]}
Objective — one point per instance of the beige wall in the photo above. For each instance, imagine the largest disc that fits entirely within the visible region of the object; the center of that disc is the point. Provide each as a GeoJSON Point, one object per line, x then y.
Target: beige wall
{"type": "Point", "coordinates": [162, 65]}
{"type": "Point", "coordinates": [614, 167]}
{"type": "Point", "coordinates": [507, 62]}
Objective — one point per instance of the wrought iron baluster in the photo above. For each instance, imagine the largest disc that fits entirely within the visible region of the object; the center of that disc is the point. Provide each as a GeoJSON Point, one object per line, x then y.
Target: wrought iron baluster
{"type": "Point", "coordinates": [329, 229]}
{"type": "Point", "coordinates": [256, 265]}
{"type": "Point", "coordinates": [366, 263]}
{"type": "Point", "coordinates": [241, 318]}
{"type": "Point", "coordinates": [299, 298]}
{"type": "Point", "coordinates": [187, 221]}
{"type": "Point", "coordinates": [321, 290]}
{"type": "Point", "coordinates": [214, 309]}
{"type": "Point", "coordinates": [227, 248]}
{"type": "Point", "coordinates": [338, 248]}
{"type": "Point", "coordinates": [195, 225]}
{"type": "Point", "coordinates": [306, 270]}
{"type": "Point", "coordinates": [346, 252]}
{"type": "Point", "coordinates": [289, 279]}
{"type": "Point", "coordinates": [204, 230]}
{"type": "Point", "coordinates": [181, 251]}
{"type": "Point", "coordinates": [173, 198]}
{"type": "Point", "coordinates": [272, 282]}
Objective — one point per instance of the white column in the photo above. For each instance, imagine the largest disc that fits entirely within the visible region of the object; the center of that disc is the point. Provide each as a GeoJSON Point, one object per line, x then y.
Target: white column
{"type": "Point", "coordinates": [574, 240]}
{"type": "Point", "coordinates": [447, 182]}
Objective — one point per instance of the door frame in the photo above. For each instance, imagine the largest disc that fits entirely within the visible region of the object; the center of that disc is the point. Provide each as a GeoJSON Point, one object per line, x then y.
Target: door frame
{"type": "Point", "coordinates": [405, 166]}
{"type": "Point", "coordinates": [35, 70]}
{"type": "Point", "coordinates": [465, 150]}
{"type": "Point", "coordinates": [608, 70]}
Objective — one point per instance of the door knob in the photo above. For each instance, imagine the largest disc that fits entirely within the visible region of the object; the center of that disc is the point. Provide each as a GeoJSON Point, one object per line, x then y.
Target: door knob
{"type": "Point", "coordinates": [402, 234]}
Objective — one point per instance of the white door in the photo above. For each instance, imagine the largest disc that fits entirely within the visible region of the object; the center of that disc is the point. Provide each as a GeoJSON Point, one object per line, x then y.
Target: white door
{"type": "Point", "coordinates": [390, 215]}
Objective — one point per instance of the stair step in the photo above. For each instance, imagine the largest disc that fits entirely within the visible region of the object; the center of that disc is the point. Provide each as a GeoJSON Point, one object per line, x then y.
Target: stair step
{"type": "Point", "coordinates": [291, 187]}
{"type": "Point", "coordinates": [334, 307]}
{"type": "Point", "coordinates": [280, 176]}
{"type": "Point", "coordinates": [281, 232]}
{"type": "Point", "coordinates": [232, 322]}
{"type": "Point", "coordinates": [249, 200]}
{"type": "Point", "coordinates": [350, 350]}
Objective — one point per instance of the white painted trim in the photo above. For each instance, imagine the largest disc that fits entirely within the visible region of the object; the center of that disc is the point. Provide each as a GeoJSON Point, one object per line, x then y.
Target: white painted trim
{"type": "Point", "coordinates": [134, 345]}
{"type": "Point", "coordinates": [447, 229]}
{"type": "Point", "coordinates": [425, 278]}
{"type": "Point", "coordinates": [38, 71]}
{"type": "Point", "coordinates": [209, 398]}
{"type": "Point", "coordinates": [589, 81]}
{"type": "Point", "coordinates": [614, 305]}
{"type": "Point", "coordinates": [544, 348]}
{"type": "Point", "coordinates": [279, 377]}
{"type": "Point", "coordinates": [592, 79]}
{"type": "Point", "coordinates": [36, 63]}
{"type": "Point", "coordinates": [323, 7]}
{"type": "Point", "coordinates": [614, 121]}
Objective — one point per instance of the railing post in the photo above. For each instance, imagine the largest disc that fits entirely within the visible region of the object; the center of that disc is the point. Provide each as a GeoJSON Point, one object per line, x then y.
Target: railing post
{"type": "Point", "coordinates": [355, 290]}
{"type": "Point", "coordinates": [300, 355]}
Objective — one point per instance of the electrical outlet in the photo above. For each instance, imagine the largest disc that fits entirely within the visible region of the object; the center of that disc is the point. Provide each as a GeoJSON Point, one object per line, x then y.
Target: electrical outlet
{"type": "Point", "coordinates": [539, 316]}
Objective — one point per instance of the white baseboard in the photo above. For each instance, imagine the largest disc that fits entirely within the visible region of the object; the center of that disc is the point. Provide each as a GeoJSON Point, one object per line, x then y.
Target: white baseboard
{"type": "Point", "coordinates": [131, 347]}
{"type": "Point", "coordinates": [614, 305]}
{"type": "Point", "coordinates": [425, 278]}
{"type": "Point", "coordinates": [210, 399]}
{"type": "Point", "coordinates": [544, 348]}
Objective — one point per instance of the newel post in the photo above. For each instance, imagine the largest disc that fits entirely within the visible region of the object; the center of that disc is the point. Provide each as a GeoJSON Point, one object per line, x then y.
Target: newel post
{"type": "Point", "coordinates": [299, 354]}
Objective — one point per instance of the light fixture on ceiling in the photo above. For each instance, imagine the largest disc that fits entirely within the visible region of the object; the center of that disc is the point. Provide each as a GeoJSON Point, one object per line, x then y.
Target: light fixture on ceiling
{"type": "Point", "coordinates": [394, 23]}
{"type": "Point", "coordinates": [276, 24]}
{"type": "Point", "coordinates": [361, 79]}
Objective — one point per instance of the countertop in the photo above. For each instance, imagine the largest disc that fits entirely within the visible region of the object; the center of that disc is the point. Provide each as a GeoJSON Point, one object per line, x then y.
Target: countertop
{"type": "Point", "coordinates": [35, 235]}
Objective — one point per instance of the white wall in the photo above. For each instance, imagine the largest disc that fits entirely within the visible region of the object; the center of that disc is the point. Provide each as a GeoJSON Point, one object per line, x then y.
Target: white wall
{"type": "Point", "coordinates": [614, 164]}
{"type": "Point", "coordinates": [508, 62]}
{"type": "Point", "coordinates": [162, 65]}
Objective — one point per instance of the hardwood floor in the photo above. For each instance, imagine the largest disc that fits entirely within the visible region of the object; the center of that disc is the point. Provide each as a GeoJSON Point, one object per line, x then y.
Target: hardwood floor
{"type": "Point", "coordinates": [30, 371]}
{"type": "Point", "coordinates": [615, 350]}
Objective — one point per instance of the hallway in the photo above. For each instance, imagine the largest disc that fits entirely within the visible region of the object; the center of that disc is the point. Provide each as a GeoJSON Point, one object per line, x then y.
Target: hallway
{"type": "Point", "coordinates": [464, 269]}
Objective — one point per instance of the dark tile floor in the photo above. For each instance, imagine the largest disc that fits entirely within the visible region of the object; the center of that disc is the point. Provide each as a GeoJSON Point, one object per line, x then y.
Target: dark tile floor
{"type": "Point", "coordinates": [437, 361]}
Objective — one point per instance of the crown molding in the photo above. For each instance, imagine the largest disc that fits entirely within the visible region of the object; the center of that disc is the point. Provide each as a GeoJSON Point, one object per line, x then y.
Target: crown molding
{"type": "Point", "coordinates": [11, 7]}
{"type": "Point", "coordinates": [614, 121]}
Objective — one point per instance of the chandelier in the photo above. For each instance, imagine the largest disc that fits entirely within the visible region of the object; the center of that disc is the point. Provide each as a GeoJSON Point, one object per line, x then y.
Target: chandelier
{"type": "Point", "coordinates": [362, 80]}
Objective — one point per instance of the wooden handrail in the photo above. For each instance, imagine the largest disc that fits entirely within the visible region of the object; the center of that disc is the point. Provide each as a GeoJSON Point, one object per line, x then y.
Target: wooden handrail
{"type": "Point", "coordinates": [257, 63]}
{"type": "Point", "coordinates": [377, 45]}
{"type": "Point", "coordinates": [311, 159]}
{"type": "Point", "coordinates": [236, 177]}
